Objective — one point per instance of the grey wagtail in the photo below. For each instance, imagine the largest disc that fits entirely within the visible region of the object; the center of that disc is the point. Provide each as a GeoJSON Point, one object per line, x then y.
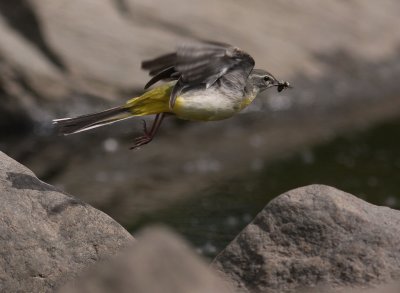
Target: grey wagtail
{"type": "Point", "coordinates": [205, 81]}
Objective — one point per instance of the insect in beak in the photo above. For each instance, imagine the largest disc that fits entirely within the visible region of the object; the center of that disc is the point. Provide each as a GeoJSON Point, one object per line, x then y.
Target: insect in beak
{"type": "Point", "coordinates": [283, 85]}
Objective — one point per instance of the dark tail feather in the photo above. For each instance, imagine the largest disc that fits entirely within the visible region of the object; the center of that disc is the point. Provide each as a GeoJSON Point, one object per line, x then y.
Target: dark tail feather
{"type": "Point", "coordinates": [67, 126]}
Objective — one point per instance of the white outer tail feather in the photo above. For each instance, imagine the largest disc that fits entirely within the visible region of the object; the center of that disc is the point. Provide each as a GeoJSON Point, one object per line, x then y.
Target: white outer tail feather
{"type": "Point", "coordinates": [68, 126]}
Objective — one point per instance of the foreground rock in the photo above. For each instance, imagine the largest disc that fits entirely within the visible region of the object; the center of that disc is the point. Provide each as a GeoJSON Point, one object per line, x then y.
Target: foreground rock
{"type": "Point", "coordinates": [159, 262]}
{"type": "Point", "coordinates": [314, 236]}
{"type": "Point", "coordinates": [47, 236]}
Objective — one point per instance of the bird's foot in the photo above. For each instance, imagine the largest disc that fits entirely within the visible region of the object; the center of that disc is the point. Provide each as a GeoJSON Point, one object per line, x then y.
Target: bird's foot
{"type": "Point", "coordinates": [141, 140]}
{"type": "Point", "coordinates": [144, 139]}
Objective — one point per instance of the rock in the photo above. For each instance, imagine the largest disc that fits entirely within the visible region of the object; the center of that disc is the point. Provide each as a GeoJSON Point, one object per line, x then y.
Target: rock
{"type": "Point", "coordinates": [159, 262]}
{"type": "Point", "coordinates": [311, 236]}
{"type": "Point", "coordinates": [47, 236]}
{"type": "Point", "coordinates": [387, 288]}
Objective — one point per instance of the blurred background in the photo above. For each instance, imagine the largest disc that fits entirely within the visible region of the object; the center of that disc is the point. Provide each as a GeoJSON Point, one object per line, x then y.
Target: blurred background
{"type": "Point", "coordinates": [340, 125]}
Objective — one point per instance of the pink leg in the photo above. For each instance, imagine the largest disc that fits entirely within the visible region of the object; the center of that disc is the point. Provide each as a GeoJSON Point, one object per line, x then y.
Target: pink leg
{"type": "Point", "coordinates": [149, 135]}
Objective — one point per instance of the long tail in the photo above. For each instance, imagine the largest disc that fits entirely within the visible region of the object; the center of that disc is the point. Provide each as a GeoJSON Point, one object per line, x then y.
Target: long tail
{"type": "Point", "coordinates": [151, 102]}
{"type": "Point", "coordinates": [67, 126]}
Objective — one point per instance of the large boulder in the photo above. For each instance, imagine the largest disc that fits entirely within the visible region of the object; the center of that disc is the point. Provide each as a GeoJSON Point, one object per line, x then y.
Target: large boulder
{"type": "Point", "coordinates": [47, 236]}
{"type": "Point", "coordinates": [159, 262]}
{"type": "Point", "coordinates": [314, 236]}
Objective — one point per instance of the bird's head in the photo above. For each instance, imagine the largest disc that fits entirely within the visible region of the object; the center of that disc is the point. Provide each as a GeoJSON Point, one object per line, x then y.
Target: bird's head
{"type": "Point", "coordinates": [260, 80]}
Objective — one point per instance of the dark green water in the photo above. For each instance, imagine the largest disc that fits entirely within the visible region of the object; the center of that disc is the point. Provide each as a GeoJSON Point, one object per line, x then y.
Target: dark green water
{"type": "Point", "coordinates": [365, 163]}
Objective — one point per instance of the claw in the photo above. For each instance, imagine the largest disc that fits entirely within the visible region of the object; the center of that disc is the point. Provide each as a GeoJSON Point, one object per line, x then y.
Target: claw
{"type": "Point", "coordinates": [141, 140]}
{"type": "Point", "coordinates": [148, 135]}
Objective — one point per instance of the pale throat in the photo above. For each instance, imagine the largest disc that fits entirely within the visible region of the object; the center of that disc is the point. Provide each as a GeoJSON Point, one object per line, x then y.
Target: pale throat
{"type": "Point", "coordinates": [250, 92]}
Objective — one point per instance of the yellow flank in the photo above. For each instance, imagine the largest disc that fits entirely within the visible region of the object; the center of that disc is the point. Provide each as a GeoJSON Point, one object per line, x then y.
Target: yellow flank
{"type": "Point", "coordinates": [151, 102]}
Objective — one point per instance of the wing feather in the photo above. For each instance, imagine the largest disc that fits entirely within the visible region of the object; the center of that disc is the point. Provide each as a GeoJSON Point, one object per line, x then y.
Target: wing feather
{"type": "Point", "coordinates": [197, 64]}
{"type": "Point", "coordinates": [167, 73]}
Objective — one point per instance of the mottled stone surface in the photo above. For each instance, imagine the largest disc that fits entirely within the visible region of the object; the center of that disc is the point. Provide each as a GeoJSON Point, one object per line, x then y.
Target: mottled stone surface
{"type": "Point", "coordinates": [312, 236]}
{"type": "Point", "coordinates": [159, 262]}
{"type": "Point", "coordinates": [47, 236]}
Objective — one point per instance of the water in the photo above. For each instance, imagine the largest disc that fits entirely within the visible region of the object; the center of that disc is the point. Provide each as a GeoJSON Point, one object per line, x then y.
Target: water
{"type": "Point", "coordinates": [365, 163]}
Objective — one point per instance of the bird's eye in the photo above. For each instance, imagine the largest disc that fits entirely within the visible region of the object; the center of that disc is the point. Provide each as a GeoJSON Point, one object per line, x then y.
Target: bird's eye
{"type": "Point", "coordinates": [266, 78]}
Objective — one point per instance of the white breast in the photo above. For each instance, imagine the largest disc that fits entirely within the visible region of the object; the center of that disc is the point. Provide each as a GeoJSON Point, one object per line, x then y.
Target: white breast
{"type": "Point", "coordinates": [206, 105]}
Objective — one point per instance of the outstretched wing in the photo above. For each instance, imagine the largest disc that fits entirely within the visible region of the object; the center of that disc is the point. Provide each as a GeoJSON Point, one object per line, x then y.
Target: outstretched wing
{"type": "Point", "coordinates": [198, 64]}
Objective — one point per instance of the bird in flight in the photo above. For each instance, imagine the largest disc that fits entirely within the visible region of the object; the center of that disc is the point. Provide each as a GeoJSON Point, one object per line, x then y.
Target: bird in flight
{"type": "Point", "coordinates": [203, 81]}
